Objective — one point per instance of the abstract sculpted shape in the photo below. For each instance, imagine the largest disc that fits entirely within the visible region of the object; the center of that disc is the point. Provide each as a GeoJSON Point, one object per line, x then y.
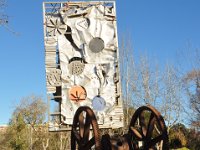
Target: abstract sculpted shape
{"type": "Point", "coordinates": [101, 72]}
{"type": "Point", "coordinates": [54, 77]}
{"type": "Point", "coordinates": [82, 24]}
{"type": "Point", "coordinates": [55, 27]}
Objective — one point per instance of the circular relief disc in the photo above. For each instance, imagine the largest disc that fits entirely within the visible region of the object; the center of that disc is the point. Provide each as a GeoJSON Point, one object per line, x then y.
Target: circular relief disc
{"type": "Point", "coordinates": [54, 77]}
{"type": "Point", "coordinates": [77, 93]}
{"type": "Point", "coordinates": [76, 66]}
{"type": "Point", "coordinates": [98, 103]}
{"type": "Point", "coordinates": [96, 45]}
{"type": "Point", "coordinates": [55, 27]}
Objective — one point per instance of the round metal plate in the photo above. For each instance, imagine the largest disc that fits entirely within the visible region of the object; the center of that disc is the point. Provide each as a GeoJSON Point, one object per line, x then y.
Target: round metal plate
{"type": "Point", "coordinates": [77, 93]}
{"type": "Point", "coordinates": [98, 103]}
{"type": "Point", "coordinates": [96, 45]}
{"type": "Point", "coordinates": [76, 66]}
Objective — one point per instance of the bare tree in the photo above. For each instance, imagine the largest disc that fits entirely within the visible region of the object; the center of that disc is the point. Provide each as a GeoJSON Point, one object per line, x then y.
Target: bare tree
{"type": "Point", "coordinates": [160, 88]}
{"type": "Point", "coordinates": [143, 83]}
{"type": "Point", "coordinates": [191, 79]}
{"type": "Point", "coordinates": [3, 16]}
{"type": "Point", "coordinates": [171, 95]}
{"type": "Point", "coordinates": [145, 86]}
{"type": "Point", "coordinates": [126, 71]}
{"type": "Point", "coordinates": [192, 86]}
{"type": "Point", "coordinates": [2, 3]}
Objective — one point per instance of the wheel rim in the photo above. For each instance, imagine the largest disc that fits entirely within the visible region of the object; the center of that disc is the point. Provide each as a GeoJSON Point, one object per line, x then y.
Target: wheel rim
{"type": "Point", "coordinates": [148, 126]}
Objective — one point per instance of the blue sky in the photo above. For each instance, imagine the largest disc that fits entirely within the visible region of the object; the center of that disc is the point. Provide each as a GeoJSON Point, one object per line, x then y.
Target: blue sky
{"type": "Point", "coordinates": [158, 28]}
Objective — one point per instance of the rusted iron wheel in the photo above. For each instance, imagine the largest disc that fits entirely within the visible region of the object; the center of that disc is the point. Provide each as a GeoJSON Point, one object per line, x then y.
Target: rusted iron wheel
{"type": "Point", "coordinates": [81, 138]}
{"type": "Point", "coordinates": [147, 130]}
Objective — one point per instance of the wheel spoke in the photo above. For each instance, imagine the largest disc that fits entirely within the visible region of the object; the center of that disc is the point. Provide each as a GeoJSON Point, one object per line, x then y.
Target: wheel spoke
{"type": "Point", "coordinates": [50, 26]}
{"type": "Point", "coordinates": [77, 137]}
{"type": "Point", "coordinates": [59, 31]}
{"type": "Point", "coordinates": [142, 124]}
{"type": "Point", "coordinates": [136, 133]}
{"type": "Point", "coordinates": [150, 126]}
{"type": "Point", "coordinates": [155, 140]}
{"type": "Point", "coordinates": [87, 128]}
{"type": "Point", "coordinates": [160, 126]}
{"type": "Point", "coordinates": [62, 27]}
{"type": "Point", "coordinates": [81, 124]}
{"type": "Point", "coordinates": [51, 29]}
{"type": "Point", "coordinates": [56, 22]}
{"type": "Point", "coordinates": [54, 32]}
{"type": "Point", "coordinates": [52, 22]}
{"type": "Point", "coordinates": [90, 143]}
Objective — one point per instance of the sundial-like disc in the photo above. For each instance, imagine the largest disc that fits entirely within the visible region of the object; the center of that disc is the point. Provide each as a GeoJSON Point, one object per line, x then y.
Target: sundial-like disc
{"type": "Point", "coordinates": [96, 45]}
{"type": "Point", "coordinates": [98, 103]}
{"type": "Point", "coordinates": [76, 66]}
{"type": "Point", "coordinates": [77, 93]}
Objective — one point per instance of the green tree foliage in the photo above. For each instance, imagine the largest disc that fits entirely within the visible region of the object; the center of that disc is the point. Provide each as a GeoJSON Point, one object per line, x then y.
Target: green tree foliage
{"type": "Point", "coordinates": [178, 136]}
{"type": "Point", "coordinates": [33, 110]}
{"type": "Point", "coordinates": [22, 128]}
{"type": "Point", "coordinates": [27, 128]}
{"type": "Point", "coordinates": [193, 139]}
{"type": "Point", "coordinates": [128, 113]}
{"type": "Point", "coordinates": [17, 133]}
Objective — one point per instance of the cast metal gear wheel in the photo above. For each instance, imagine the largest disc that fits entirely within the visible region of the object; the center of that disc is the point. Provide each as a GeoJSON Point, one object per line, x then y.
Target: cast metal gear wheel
{"type": "Point", "coordinates": [147, 130]}
{"type": "Point", "coordinates": [80, 134]}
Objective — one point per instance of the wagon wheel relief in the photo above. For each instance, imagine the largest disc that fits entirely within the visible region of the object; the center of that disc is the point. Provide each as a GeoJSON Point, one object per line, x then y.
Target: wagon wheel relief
{"type": "Point", "coordinates": [55, 27]}
{"type": "Point", "coordinates": [147, 129]}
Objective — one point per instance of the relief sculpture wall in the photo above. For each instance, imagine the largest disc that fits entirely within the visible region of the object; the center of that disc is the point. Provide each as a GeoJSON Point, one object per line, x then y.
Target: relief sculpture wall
{"type": "Point", "coordinates": [81, 50]}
